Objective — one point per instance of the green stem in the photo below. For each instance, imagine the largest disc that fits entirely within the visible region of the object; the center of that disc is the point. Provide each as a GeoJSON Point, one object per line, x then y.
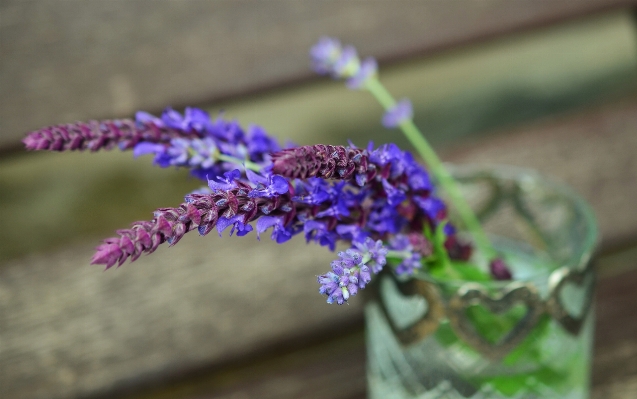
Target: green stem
{"type": "Point", "coordinates": [398, 254]}
{"type": "Point", "coordinates": [249, 165]}
{"type": "Point", "coordinates": [440, 173]}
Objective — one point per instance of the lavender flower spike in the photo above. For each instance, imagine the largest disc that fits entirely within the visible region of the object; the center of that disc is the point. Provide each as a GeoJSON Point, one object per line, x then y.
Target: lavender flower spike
{"type": "Point", "coordinates": [329, 57]}
{"type": "Point", "coordinates": [97, 135]}
{"type": "Point", "coordinates": [324, 161]}
{"type": "Point", "coordinates": [351, 271]}
{"type": "Point", "coordinates": [231, 203]}
{"type": "Point", "coordinates": [401, 111]}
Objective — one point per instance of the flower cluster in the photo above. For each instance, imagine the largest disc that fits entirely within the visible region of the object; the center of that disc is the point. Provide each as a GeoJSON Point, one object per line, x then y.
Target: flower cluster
{"type": "Point", "coordinates": [329, 193]}
{"type": "Point", "coordinates": [351, 271]}
{"type": "Point", "coordinates": [194, 141]}
{"type": "Point", "coordinates": [329, 57]}
{"type": "Point", "coordinates": [378, 201]}
{"type": "Point", "coordinates": [98, 135]}
{"type": "Point", "coordinates": [218, 146]}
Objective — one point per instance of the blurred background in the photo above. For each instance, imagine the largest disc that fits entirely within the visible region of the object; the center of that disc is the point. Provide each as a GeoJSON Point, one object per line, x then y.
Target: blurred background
{"type": "Point", "coordinates": [550, 85]}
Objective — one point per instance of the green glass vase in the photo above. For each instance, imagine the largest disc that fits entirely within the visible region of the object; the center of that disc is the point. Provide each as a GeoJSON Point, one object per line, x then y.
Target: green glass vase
{"type": "Point", "coordinates": [530, 337]}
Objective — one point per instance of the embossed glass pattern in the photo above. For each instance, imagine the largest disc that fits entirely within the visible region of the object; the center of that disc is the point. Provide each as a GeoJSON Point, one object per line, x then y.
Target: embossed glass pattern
{"type": "Point", "coordinates": [527, 338]}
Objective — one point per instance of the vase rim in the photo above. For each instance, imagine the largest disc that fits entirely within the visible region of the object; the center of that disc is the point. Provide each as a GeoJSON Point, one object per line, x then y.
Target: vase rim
{"type": "Point", "coordinates": [520, 174]}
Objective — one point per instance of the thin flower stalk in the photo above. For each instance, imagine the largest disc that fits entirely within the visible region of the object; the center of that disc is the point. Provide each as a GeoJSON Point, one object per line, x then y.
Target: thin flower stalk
{"type": "Point", "coordinates": [341, 62]}
{"type": "Point", "coordinates": [101, 135]}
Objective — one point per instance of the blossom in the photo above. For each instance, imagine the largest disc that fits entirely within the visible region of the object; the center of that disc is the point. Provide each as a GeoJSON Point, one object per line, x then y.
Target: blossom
{"type": "Point", "coordinates": [227, 204]}
{"type": "Point", "coordinates": [227, 182]}
{"type": "Point", "coordinates": [102, 135]}
{"type": "Point", "coordinates": [413, 247]}
{"type": "Point", "coordinates": [267, 186]}
{"type": "Point", "coordinates": [324, 161]}
{"type": "Point", "coordinates": [324, 55]}
{"type": "Point", "coordinates": [349, 274]}
{"type": "Point", "coordinates": [375, 251]}
{"type": "Point", "coordinates": [237, 222]}
{"type": "Point", "coordinates": [400, 112]}
{"type": "Point", "coordinates": [367, 70]}
{"type": "Point", "coordinates": [319, 232]}
{"type": "Point", "coordinates": [499, 270]}
{"type": "Point", "coordinates": [409, 264]}
{"type": "Point", "coordinates": [329, 57]}
{"type": "Point", "coordinates": [280, 233]}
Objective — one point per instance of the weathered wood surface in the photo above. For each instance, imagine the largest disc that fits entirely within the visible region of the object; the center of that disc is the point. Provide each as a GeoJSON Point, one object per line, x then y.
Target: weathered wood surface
{"type": "Point", "coordinates": [336, 369]}
{"type": "Point", "coordinates": [67, 60]}
{"type": "Point", "coordinates": [69, 330]}
{"type": "Point", "coordinates": [615, 365]}
{"type": "Point", "coordinates": [53, 200]}
{"type": "Point", "coordinates": [593, 152]}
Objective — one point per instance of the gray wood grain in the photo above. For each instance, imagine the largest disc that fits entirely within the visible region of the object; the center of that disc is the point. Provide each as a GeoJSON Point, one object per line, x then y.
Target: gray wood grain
{"type": "Point", "coordinates": [67, 329]}
{"type": "Point", "coordinates": [72, 60]}
{"type": "Point", "coordinates": [336, 368]}
{"type": "Point", "coordinates": [593, 152]}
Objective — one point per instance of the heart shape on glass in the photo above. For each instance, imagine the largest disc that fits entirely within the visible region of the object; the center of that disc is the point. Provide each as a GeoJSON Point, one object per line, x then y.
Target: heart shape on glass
{"type": "Point", "coordinates": [559, 280]}
{"type": "Point", "coordinates": [425, 323]}
{"type": "Point", "coordinates": [471, 294]}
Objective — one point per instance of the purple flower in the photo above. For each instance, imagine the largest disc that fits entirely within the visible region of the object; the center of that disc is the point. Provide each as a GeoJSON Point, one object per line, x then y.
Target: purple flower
{"type": "Point", "coordinates": [394, 195]}
{"type": "Point", "coordinates": [260, 144]}
{"type": "Point", "coordinates": [197, 119]}
{"type": "Point", "coordinates": [367, 70]}
{"type": "Point", "coordinates": [330, 58]}
{"type": "Point", "coordinates": [347, 64]}
{"type": "Point", "coordinates": [415, 245]}
{"type": "Point", "coordinates": [385, 219]}
{"type": "Point", "coordinates": [384, 154]}
{"type": "Point", "coordinates": [226, 182]}
{"type": "Point", "coordinates": [500, 270]}
{"type": "Point", "coordinates": [236, 222]}
{"type": "Point", "coordinates": [401, 111]}
{"type": "Point", "coordinates": [433, 207]}
{"type": "Point", "coordinates": [280, 233]}
{"type": "Point", "coordinates": [146, 147]}
{"type": "Point", "coordinates": [178, 151]}
{"type": "Point", "coordinates": [324, 54]}
{"type": "Point", "coordinates": [409, 264]}
{"type": "Point", "coordinates": [400, 242]}
{"type": "Point", "coordinates": [173, 119]}
{"type": "Point", "coordinates": [270, 186]}
{"type": "Point", "coordinates": [352, 232]}
{"type": "Point", "coordinates": [339, 202]}
{"type": "Point", "coordinates": [102, 135]}
{"type": "Point", "coordinates": [350, 272]}
{"type": "Point", "coordinates": [144, 117]}
{"type": "Point", "coordinates": [229, 132]}
{"type": "Point", "coordinates": [318, 231]}
{"type": "Point", "coordinates": [313, 191]}
{"type": "Point", "coordinates": [375, 251]}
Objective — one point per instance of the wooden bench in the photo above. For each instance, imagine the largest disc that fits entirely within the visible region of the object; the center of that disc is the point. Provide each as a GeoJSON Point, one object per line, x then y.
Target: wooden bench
{"type": "Point", "coordinates": [183, 323]}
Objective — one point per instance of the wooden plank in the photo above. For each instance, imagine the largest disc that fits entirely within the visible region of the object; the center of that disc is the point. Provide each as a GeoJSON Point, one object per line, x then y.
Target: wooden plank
{"type": "Point", "coordinates": [615, 366]}
{"type": "Point", "coordinates": [64, 61]}
{"type": "Point", "coordinates": [457, 94]}
{"type": "Point", "coordinates": [335, 369]}
{"type": "Point", "coordinates": [69, 330]}
{"type": "Point", "coordinates": [593, 152]}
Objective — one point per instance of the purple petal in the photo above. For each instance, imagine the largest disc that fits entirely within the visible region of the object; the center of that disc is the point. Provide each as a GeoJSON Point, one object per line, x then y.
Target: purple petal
{"type": "Point", "coordinates": [400, 112]}
{"type": "Point", "coordinates": [368, 68]}
{"type": "Point", "coordinates": [279, 184]}
{"type": "Point", "coordinates": [143, 117]}
{"type": "Point", "coordinates": [145, 147]}
{"type": "Point", "coordinates": [265, 222]}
